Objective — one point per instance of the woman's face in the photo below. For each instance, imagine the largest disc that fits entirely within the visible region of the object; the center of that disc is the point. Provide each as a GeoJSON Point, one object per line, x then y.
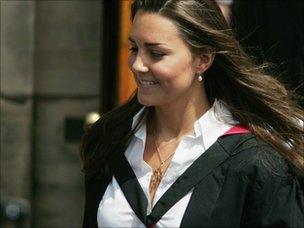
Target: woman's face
{"type": "Point", "coordinates": [163, 65]}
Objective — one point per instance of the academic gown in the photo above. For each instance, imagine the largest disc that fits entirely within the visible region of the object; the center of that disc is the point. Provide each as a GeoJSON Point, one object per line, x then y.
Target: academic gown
{"type": "Point", "coordinates": [238, 182]}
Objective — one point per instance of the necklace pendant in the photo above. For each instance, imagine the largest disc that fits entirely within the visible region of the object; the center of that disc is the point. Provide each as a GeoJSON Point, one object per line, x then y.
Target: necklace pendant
{"type": "Point", "coordinates": [156, 178]}
{"type": "Point", "coordinates": [158, 174]}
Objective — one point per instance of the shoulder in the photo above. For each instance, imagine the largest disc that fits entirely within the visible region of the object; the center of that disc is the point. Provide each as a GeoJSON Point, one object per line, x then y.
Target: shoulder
{"type": "Point", "coordinates": [272, 186]}
{"type": "Point", "coordinates": [252, 160]}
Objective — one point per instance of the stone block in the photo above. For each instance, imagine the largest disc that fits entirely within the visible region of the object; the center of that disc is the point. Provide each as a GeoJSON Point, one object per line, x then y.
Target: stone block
{"type": "Point", "coordinates": [17, 37]}
{"type": "Point", "coordinates": [15, 138]}
{"type": "Point", "coordinates": [60, 187]}
{"type": "Point", "coordinates": [68, 40]}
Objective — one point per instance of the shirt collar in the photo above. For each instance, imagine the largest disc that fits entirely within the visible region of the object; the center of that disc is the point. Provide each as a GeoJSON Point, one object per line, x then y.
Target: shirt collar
{"type": "Point", "coordinates": [141, 132]}
{"type": "Point", "coordinates": [214, 123]}
{"type": "Point", "coordinates": [210, 126]}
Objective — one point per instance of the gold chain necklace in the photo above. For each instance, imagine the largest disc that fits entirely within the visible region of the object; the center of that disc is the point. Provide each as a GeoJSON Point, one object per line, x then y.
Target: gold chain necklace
{"type": "Point", "coordinates": [158, 173]}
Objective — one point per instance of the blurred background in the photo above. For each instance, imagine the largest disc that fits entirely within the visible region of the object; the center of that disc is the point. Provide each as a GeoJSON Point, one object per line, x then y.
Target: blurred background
{"type": "Point", "coordinates": [59, 64]}
{"type": "Point", "coordinates": [63, 64]}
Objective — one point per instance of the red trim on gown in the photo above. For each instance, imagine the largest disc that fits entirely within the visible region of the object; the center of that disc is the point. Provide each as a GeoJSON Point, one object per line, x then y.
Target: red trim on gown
{"type": "Point", "coordinates": [237, 129]}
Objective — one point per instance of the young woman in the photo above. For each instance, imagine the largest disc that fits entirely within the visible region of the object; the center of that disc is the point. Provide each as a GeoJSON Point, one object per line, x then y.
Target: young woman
{"type": "Point", "coordinates": [208, 140]}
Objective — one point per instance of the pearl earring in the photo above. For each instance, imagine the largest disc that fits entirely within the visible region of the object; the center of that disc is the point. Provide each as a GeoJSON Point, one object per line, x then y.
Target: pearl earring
{"type": "Point", "coordinates": [200, 77]}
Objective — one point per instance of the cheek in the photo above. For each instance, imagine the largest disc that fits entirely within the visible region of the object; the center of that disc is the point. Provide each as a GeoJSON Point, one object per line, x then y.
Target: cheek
{"type": "Point", "coordinates": [162, 72]}
{"type": "Point", "coordinates": [173, 71]}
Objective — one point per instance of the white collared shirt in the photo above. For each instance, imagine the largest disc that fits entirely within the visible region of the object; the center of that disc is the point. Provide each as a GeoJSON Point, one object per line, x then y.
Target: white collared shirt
{"type": "Point", "coordinates": [115, 211]}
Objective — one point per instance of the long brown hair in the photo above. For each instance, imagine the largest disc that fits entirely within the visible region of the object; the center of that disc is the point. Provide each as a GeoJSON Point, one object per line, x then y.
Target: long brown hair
{"type": "Point", "coordinates": [257, 100]}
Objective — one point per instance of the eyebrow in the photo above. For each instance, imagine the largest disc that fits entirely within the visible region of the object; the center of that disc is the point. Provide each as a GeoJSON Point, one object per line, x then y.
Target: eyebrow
{"type": "Point", "coordinates": [146, 44]}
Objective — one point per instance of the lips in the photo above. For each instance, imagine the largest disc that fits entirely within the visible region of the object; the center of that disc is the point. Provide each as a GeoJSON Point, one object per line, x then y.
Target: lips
{"type": "Point", "coordinates": [147, 82]}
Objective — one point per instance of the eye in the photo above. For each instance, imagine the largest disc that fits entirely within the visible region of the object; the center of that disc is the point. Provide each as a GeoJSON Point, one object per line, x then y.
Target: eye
{"type": "Point", "coordinates": [156, 54]}
{"type": "Point", "coordinates": [133, 49]}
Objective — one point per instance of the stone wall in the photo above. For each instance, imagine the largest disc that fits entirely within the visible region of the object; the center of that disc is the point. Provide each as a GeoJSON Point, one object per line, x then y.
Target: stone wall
{"type": "Point", "coordinates": [50, 71]}
{"type": "Point", "coordinates": [16, 103]}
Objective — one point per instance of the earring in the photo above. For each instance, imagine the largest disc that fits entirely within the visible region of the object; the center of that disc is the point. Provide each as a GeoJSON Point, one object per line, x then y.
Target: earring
{"type": "Point", "coordinates": [200, 77]}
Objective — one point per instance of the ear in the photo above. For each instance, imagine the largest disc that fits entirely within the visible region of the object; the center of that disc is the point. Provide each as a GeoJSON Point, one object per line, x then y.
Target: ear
{"type": "Point", "coordinates": [204, 61]}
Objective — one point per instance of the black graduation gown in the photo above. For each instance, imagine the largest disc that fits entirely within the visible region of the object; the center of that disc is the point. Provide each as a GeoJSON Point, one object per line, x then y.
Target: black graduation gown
{"type": "Point", "coordinates": [237, 182]}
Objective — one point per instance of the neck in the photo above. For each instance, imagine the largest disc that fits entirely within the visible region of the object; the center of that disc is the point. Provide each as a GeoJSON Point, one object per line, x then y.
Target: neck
{"type": "Point", "coordinates": [176, 119]}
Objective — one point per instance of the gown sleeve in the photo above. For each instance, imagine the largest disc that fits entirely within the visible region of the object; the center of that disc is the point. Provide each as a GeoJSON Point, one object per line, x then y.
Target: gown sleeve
{"type": "Point", "coordinates": [278, 203]}
{"type": "Point", "coordinates": [283, 204]}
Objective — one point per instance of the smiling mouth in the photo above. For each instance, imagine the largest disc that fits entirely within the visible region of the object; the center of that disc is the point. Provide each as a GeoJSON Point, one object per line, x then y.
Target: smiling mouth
{"type": "Point", "coordinates": [147, 82]}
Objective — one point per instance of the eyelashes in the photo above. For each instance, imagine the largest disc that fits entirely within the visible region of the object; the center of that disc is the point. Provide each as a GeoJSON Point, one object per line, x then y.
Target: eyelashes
{"type": "Point", "coordinates": [157, 54]}
{"type": "Point", "coordinates": [133, 49]}
{"type": "Point", "coordinates": [153, 54]}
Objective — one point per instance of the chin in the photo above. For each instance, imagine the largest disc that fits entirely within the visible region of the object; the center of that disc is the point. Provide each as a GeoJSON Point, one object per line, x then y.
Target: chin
{"type": "Point", "coordinates": [145, 101]}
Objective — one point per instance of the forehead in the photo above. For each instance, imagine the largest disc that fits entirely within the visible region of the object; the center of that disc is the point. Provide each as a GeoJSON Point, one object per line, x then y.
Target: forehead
{"type": "Point", "coordinates": [153, 27]}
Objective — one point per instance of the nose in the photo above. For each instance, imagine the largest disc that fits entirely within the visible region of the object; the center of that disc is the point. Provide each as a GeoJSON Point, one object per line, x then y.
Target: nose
{"type": "Point", "coordinates": [138, 65]}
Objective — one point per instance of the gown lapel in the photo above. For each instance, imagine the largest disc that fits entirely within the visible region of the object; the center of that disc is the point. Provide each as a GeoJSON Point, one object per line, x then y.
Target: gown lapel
{"type": "Point", "coordinates": [201, 167]}
{"type": "Point", "coordinates": [130, 187]}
